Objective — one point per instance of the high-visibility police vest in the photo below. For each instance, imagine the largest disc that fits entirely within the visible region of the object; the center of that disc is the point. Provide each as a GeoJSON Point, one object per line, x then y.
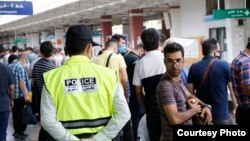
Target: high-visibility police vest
{"type": "Point", "coordinates": [82, 93]}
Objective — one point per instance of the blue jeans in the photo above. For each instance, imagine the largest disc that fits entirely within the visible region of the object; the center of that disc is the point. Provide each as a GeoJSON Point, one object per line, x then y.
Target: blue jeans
{"type": "Point", "coordinates": [4, 118]}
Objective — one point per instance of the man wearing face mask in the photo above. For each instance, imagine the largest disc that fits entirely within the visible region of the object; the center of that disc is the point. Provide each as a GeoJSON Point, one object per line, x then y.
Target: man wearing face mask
{"type": "Point", "coordinates": [212, 89]}
{"type": "Point", "coordinates": [20, 95]}
{"type": "Point", "coordinates": [111, 59]}
{"type": "Point", "coordinates": [130, 58]}
{"type": "Point", "coordinates": [122, 48]}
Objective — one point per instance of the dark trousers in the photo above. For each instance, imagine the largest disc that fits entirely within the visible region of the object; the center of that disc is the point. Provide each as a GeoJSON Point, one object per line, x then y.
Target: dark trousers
{"type": "Point", "coordinates": [154, 127]}
{"type": "Point", "coordinates": [4, 117]}
{"type": "Point", "coordinates": [243, 115]}
{"type": "Point", "coordinates": [19, 127]}
{"type": "Point", "coordinates": [44, 136]}
{"type": "Point", "coordinates": [136, 114]}
{"type": "Point", "coordinates": [126, 134]}
{"type": "Point", "coordinates": [128, 131]}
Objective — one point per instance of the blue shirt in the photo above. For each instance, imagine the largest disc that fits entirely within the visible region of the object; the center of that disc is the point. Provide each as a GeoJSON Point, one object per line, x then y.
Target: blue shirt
{"type": "Point", "coordinates": [214, 89]}
{"type": "Point", "coordinates": [184, 75]}
{"type": "Point", "coordinates": [20, 73]}
{"type": "Point", "coordinates": [6, 80]}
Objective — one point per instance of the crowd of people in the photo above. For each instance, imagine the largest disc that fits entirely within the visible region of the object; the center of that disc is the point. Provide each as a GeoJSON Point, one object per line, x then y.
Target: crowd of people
{"type": "Point", "coordinates": [91, 93]}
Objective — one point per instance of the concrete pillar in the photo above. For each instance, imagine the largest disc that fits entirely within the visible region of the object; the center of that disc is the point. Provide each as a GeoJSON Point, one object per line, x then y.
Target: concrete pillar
{"type": "Point", "coordinates": [174, 11]}
{"type": "Point", "coordinates": [165, 30]}
{"type": "Point", "coordinates": [59, 41]}
{"type": "Point", "coordinates": [33, 39]}
{"type": "Point", "coordinates": [11, 41]}
{"type": "Point", "coordinates": [106, 25]}
{"type": "Point", "coordinates": [125, 26]}
{"type": "Point", "coordinates": [1, 40]}
{"type": "Point", "coordinates": [45, 34]}
{"type": "Point", "coordinates": [65, 28]}
{"type": "Point", "coordinates": [235, 34]}
{"type": "Point", "coordinates": [136, 26]}
{"type": "Point", "coordinates": [5, 42]}
{"type": "Point", "coordinates": [28, 38]}
{"type": "Point", "coordinates": [21, 44]}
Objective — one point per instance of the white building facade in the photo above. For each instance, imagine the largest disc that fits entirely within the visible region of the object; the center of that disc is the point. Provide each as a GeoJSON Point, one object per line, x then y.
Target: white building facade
{"type": "Point", "coordinates": [189, 18]}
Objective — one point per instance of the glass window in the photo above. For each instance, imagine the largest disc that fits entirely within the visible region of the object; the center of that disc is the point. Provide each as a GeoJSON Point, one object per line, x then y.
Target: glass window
{"type": "Point", "coordinates": [212, 5]}
{"type": "Point", "coordinates": [248, 3]}
{"type": "Point", "coordinates": [220, 35]}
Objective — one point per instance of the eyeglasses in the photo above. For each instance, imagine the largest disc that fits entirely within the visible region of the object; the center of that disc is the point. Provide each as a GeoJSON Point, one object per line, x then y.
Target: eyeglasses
{"type": "Point", "coordinates": [178, 61]}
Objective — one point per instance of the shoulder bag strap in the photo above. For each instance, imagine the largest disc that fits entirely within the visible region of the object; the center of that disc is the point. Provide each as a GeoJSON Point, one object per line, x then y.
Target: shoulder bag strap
{"type": "Point", "coordinates": [205, 75]}
{"type": "Point", "coordinates": [107, 63]}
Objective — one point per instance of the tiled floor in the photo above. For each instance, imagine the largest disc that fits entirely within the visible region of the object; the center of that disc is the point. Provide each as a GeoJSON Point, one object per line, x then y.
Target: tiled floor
{"type": "Point", "coordinates": [32, 131]}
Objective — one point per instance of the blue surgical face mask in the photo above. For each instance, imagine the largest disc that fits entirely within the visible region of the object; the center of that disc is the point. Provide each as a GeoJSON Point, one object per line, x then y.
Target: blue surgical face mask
{"type": "Point", "coordinates": [122, 48]}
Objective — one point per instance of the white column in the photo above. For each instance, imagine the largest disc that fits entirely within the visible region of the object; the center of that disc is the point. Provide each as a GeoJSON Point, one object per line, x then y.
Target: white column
{"type": "Point", "coordinates": [247, 31]}
{"type": "Point", "coordinates": [11, 41]}
{"type": "Point", "coordinates": [28, 38]}
{"type": "Point", "coordinates": [59, 41]}
{"type": "Point", "coordinates": [5, 42]}
{"type": "Point", "coordinates": [125, 26]}
{"type": "Point", "coordinates": [236, 35]}
{"type": "Point", "coordinates": [175, 21]}
{"type": "Point", "coordinates": [45, 34]}
{"type": "Point", "coordinates": [35, 39]}
{"type": "Point", "coordinates": [21, 44]}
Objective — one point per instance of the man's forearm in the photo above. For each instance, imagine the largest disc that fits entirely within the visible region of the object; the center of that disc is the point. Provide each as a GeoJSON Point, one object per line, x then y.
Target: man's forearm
{"type": "Point", "coordinates": [11, 91]}
{"type": "Point", "coordinates": [49, 121]}
{"type": "Point", "coordinates": [140, 96]}
{"type": "Point", "coordinates": [24, 89]}
{"type": "Point", "coordinates": [120, 117]}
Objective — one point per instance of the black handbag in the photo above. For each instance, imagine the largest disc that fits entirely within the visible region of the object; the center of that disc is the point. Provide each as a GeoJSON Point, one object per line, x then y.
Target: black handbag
{"type": "Point", "coordinates": [27, 115]}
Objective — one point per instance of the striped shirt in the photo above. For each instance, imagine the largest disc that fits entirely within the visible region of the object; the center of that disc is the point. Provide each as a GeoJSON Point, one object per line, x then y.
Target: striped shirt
{"type": "Point", "coordinates": [20, 73]}
{"type": "Point", "coordinates": [41, 66]}
{"type": "Point", "coordinates": [171, 92]}
{"type": "Point", "coordinates": [240, 73]}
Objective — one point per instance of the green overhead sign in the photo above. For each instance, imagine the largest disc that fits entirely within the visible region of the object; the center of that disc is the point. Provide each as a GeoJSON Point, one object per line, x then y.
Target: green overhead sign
{"type": "Point", "coordinates": [20, 41]}
{"type": "Point", "coordinates": [232, 13]}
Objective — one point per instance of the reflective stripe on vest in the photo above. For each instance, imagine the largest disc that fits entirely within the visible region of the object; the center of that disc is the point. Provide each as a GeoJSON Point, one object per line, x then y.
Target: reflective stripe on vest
{"type": "Point", "coordinates": [85, 123]}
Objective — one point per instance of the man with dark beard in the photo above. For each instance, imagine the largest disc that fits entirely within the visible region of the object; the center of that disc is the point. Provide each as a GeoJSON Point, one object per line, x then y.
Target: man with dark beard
{"type": "Point", "coordinates": [173, 96]}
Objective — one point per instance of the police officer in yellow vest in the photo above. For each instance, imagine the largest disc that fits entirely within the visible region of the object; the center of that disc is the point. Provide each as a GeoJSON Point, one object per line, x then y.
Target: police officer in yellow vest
{"type": "Point", "coordinates": [82, 100]}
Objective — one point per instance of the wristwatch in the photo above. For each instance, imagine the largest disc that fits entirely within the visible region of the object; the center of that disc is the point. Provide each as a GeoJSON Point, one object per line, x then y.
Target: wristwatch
{"type": "Point", "coordinates": [208, 106]}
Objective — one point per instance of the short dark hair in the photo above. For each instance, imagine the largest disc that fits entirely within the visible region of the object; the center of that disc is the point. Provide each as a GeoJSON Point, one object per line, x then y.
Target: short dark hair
{"type": "Point", "coordinates": [150, 38]}
{"type": "Point", "coordinates": [209, 45]}
{"type": "Point", "coordinates": [14, 49]}
{"type": "Point", "coordinates": [29, 48]}
{"type": "Point", "coordinates": [248, 45]}
{"type": "Point", "coordinates": [11, 58]}
{"type": "Point", "coordinates": [46, 48]}
{"type": "Point", "coordinates": [118, 37]}
{"type": "Point", "coordinates": [76, 47]}
{"type": "Point", "coordinates": [110, 42]}
{"type": "Point", "coordinates": [173, 47]}
{"type": "Point", "coordinates": [20, 50]}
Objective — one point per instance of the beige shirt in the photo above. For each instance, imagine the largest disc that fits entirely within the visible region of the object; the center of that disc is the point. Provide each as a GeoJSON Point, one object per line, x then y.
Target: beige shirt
{"type": "Point", "coordinates": [116, 61]}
